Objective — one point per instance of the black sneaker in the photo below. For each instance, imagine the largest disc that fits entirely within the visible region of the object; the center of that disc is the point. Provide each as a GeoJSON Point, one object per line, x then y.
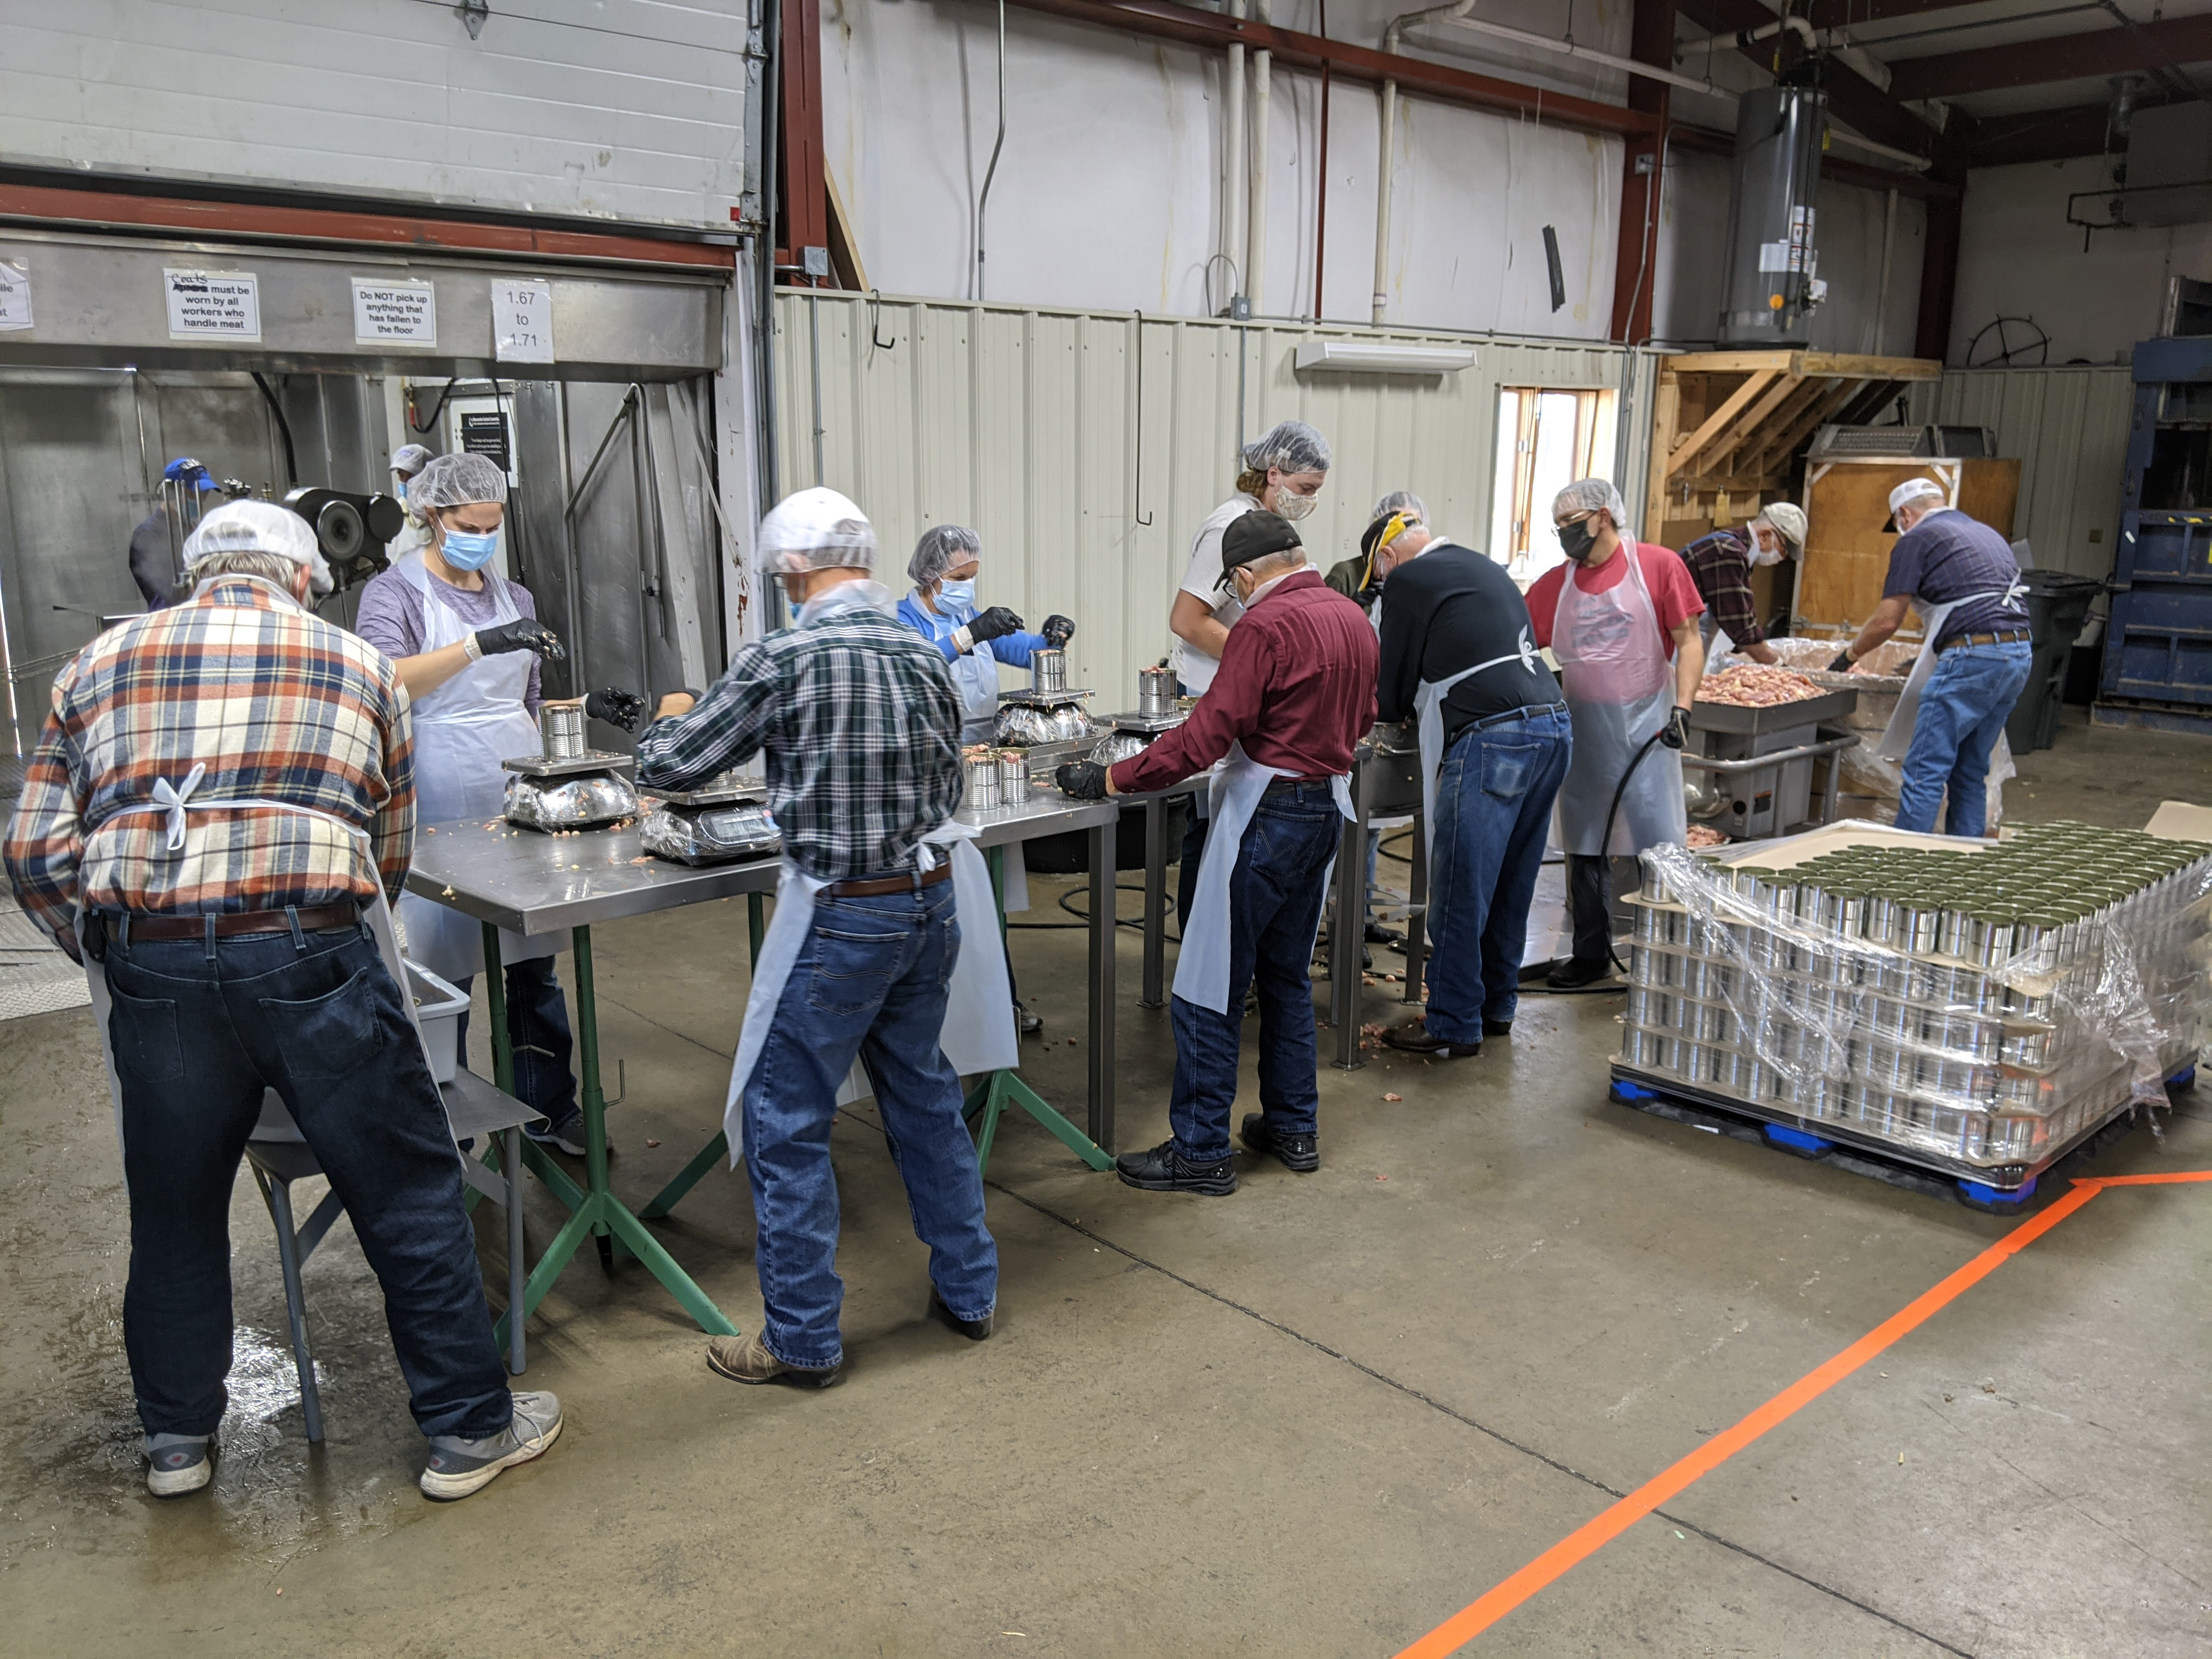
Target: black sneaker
{"type": "Point", "coordinates": [975, 1330]}
{"type": "Point", "coordinates": [1299, 1152]}
{"type": "Point", "coordinates": [1574, 974]}
{"type": "Point", "coordinates": [1162, 1170]}
{"type": "Point", "coordinates": [1378, 934]}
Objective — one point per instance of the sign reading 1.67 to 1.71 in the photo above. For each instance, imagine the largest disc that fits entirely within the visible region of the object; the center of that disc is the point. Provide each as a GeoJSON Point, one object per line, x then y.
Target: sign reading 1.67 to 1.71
{"type": "Point", "coordinates": [522, 320]}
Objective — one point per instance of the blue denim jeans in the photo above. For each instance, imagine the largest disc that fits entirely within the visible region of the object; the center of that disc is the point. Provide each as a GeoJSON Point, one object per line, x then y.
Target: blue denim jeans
{"type": "Point", "coordinates": [1494, 795]}
{"type": "Point", "coordinates": [199, 1030]}
{"type": "Point", "coordinates": [1962, 711]}
{"type": "Point", "coordinates": [1275, 896]}
{"type": "Point", "coordinates": [537, 1030]}
{"type": "Point", "coordinates": [869, 980]}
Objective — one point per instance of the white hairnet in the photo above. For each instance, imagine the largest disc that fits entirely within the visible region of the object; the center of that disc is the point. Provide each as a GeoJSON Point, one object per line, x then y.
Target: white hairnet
{"type": "Point", "coordinates": [814, 529]}
{"type": "Point", "coordinates": [1292, 446]}
{"type": "Point", "coordinates": [410, 458]}
{"type": "Point", "coordinates": [1787, 518]}
{"type": "Point", "coordinates": [259, 527]}
{"type": "Point", "coordinates": [1912, 489]}
{"type": "Point", "coordinates": [1399, 501]}
{"type": "Point", "coordinates": [1592, 495]}
{"type": "Point", "coordinates": [941, 547]}
{"type": "Point", "coordinates": [456, 481]}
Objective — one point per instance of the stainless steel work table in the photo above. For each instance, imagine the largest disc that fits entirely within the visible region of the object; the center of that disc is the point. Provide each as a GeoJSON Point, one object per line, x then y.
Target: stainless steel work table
{"type": "Point", "coordinates": [535, 883]}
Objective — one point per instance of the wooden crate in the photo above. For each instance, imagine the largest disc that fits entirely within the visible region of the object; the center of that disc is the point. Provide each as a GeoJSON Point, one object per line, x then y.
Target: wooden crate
{"type": "Point", "coordinates": [1846, 550]}
{"type": "Point", "coordinates": [1728, 427]}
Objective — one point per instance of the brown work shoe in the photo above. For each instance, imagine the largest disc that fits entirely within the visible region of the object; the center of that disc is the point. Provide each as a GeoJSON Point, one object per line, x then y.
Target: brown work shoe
{"type": "Point", "coordinates": [746, 1359]}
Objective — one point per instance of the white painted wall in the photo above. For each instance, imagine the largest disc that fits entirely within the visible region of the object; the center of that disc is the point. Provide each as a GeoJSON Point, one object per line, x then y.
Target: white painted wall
{"type": "Point", "coordinates": [1108, 193]}
{"type": "Point", "coordinates": [618, 109]}
{"type": "Point", "coordinates": [2019, 257]}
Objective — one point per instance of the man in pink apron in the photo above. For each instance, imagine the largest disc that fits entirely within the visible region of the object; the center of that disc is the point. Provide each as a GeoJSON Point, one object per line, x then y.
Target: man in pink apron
{"type": "Point", "coordinates": [222, 798]}
{"type": "Point", "coordinates": [1624, 631]}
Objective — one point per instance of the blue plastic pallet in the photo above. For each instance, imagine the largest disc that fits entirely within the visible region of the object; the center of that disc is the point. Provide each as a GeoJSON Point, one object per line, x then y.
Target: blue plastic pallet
{"type": "Point", "coordinates": [2004, 1190]}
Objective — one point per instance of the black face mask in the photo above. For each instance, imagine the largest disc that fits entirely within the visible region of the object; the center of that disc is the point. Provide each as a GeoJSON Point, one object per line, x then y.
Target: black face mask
{"type": "Point", "coordinates": [1576, 539]}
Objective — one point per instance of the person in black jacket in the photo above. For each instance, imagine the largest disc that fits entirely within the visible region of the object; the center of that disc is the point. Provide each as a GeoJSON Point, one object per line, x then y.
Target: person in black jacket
{"type": "Point", "coordinates": [1459, 652]}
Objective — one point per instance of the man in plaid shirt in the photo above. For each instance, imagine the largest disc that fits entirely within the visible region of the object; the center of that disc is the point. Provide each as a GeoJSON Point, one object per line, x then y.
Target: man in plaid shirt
{"type": "Point", "coordinates": [861, 725]}
{"type": "Point", "coordinates": [237, 960]}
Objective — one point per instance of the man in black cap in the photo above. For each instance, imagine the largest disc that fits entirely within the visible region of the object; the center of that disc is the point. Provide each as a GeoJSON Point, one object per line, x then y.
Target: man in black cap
{"type": "Point", "coordinates": [1294, 694]}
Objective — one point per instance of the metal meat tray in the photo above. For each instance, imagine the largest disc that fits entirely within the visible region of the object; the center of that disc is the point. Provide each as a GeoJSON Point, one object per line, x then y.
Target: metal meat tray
{"type": "Point", "coordinates": [592, 760]}
{"type": "Point", "coordinates": [1780, 717]}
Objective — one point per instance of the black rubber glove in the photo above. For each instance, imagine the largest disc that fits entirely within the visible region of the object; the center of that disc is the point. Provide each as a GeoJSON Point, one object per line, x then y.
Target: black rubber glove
{"type": "Point", "coordinates": [1842, 664]}
{"type": "Point", "coordinates": [1678, 728]}
{"type": "Point", "coordinates": [1082, 780]}
{"type": "Point", "coordinates": [521, 635]}
{"type": "Point", "coordinates": [1058, 631]}
{"type": "Point", "coordinates": [615, 706]}
{"type": "Point", "coordinates": [993, 624]}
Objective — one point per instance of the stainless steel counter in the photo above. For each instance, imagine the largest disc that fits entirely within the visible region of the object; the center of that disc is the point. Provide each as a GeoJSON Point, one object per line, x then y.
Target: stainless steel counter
{"type": "Point", "coordinates": [532, 883]}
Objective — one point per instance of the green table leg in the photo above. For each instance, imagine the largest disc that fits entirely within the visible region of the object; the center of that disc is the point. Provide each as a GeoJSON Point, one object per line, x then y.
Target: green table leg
{"type": "Point", "coordinates": [597, 1211]}
{"type": "Point", "coordinates": [718, 1149]}
{"type": "Point", "coordinates": [999, 1090]}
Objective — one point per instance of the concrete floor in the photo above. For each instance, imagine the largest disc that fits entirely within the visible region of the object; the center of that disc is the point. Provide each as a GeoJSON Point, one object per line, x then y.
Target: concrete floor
{"type": "Point", "coordinates": [1316, 1417]}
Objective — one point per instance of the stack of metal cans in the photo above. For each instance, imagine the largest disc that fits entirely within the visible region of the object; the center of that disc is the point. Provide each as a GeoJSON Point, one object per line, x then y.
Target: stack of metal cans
{"type": "Point", "coordinates": [1979, 1005]}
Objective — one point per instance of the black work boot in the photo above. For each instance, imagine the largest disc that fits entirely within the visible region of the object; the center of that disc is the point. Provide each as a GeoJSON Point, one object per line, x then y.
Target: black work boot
{"type": "Point", "coordinates": [1574, 974]}
{"type": "Point", "coordinates": [1298, 1153]}
{"type": "Point", "coordinates": [1162, 1170]}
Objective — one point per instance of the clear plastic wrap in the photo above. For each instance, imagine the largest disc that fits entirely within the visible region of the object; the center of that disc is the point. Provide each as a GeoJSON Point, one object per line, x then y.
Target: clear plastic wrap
{"type": "Point", "coordinates": [1979, 1005]}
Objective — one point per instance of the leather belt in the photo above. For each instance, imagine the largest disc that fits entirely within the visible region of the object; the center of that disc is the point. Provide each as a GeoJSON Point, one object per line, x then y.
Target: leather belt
{"type": "Point", "coordinates": [313, 919]}
{"type": "Point", "coordinates": [2002, 636]}
{"type": "Point", "coordinates": [1526, 711]}
{"type": "Point", "coordinates": [864, 886]}
{"type": "Point", "coordinates": [1284, 785]}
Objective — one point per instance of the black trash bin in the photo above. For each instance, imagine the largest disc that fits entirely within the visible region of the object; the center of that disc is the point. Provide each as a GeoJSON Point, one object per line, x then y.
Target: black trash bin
{"type": "Point", "coordinates": [2057, 605]}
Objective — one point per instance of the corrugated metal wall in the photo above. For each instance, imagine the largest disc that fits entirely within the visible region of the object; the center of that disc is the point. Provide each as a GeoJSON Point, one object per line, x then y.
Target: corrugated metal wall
{"type": "Point", "coordinates": [628, 109]}
{"type": "Point", "coordinates": [1028, 425]}
{"type": "Point", "coordinates": [2069, 429]}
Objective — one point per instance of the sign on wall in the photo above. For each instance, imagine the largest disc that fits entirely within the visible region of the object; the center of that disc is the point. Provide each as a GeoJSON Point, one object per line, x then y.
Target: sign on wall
{"type": "Point", "coordinates": [15, 297]}
{"type": "Point", "coordinates": [213, 305]}
{"type": "Point", "coordinates": [394, 313]}
{"type": "Point", "coordinates": [522, 320]}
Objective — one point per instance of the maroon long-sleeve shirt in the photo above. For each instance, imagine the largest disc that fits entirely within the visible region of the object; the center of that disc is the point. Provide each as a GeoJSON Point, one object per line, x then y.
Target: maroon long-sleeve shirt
{"type": "Point", "coordinates": [1296, 686]}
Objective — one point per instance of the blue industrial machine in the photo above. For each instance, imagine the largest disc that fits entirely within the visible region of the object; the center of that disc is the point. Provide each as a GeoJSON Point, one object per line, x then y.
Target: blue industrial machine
{"type": "Point", "coordinates": [2158, 641]}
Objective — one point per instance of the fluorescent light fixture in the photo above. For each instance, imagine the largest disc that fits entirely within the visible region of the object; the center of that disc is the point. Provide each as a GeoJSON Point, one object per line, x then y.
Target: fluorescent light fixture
{"type": "Point", "coordinates": [1370, 357]}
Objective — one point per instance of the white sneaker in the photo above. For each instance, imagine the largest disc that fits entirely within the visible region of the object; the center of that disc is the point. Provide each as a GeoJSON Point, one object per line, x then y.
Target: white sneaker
{"type": "Point", "coordinates": [457, 1467]}
{"type": "Point", "coordinates": [178, 1463]}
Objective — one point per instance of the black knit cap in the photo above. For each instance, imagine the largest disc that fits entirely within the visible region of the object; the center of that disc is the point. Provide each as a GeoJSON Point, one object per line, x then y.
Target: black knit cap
{"type": "Point", "coordinates": [1252, 535]}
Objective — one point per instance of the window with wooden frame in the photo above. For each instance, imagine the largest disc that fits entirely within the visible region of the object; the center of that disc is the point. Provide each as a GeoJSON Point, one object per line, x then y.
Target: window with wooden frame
{"type": "Point", "coordinates": [1547, 439]}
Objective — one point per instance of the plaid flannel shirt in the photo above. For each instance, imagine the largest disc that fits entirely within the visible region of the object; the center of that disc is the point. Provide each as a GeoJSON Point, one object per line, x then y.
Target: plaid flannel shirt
{"type": "Point", "coordinates": [1720, 564]}
{"type": "Point", "coordinates": [277, 703]}
{"type": "Point", "coordinates": [861, 728]}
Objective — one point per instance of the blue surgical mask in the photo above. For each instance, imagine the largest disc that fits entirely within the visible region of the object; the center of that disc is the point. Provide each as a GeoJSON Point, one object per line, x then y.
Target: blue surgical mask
{"type": "Point", "coordinates": [465, 550]}
{"type": "Point", "coordinates": [401, 490]}
{"type": "Point", "coordinates": [956, 595]}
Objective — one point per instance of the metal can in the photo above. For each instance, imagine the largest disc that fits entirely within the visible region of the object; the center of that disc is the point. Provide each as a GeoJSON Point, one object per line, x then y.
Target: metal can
{"type": "Point", "coordinates": [983, 793]}
{"type": "Point", "coordinates": [1047, 670]}
{"type": "Point", "coordinates": [1013, 777]}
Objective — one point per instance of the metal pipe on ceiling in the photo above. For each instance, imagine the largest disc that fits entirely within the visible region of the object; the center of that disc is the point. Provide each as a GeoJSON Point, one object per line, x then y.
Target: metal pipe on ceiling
{"type": "Point", "coordinates": [1387, 162]}
{"type": "Point", "coordinates": [1256, 232]}
{"type": "Point", "coordinates": [1233, 168]}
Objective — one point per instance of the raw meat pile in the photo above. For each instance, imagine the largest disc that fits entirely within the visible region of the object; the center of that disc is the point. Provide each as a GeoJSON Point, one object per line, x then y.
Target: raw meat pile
{"type": "Point", "coordinates": [1703, 834]}
{"type": "Point", "coordinates": [1756, 685]}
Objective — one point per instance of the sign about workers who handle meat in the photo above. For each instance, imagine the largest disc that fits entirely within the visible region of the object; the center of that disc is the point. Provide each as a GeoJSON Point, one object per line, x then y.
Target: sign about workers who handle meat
{"type": "Point", "coordinates": [394, 313]}
{"type": "Point", "coordinates": [213, 305]}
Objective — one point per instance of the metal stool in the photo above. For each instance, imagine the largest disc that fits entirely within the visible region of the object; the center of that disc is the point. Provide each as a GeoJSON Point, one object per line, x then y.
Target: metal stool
{"type": "Point", "coordinates": [279, 1156]}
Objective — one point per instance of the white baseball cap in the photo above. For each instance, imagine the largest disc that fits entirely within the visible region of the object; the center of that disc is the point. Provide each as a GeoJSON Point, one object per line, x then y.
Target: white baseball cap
{"type": "Point", "coordinates": [1910, 491]}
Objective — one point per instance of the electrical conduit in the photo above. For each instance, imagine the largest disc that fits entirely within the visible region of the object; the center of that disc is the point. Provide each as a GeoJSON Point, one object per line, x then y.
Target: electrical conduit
{"type": "Point", "coordinates": [1256, 237]}
{"type": "Point", "coordinates": [1234, 170]}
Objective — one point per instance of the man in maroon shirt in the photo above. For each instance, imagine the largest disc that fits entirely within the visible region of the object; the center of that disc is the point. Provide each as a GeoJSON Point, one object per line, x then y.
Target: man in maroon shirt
{"type": "Point", "coordinates": [1293, 694]}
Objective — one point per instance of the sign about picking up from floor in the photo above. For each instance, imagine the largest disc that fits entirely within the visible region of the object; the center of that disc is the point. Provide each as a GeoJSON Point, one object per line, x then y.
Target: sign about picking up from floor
{"type": "Point", "coordinates": [213, 305]}
{"type": "Point", "coordinates": [14, 297]}
{"type": "Point", "coordinates": [394, 313]}
{"type": "Point", "coordinates": [522, 320]}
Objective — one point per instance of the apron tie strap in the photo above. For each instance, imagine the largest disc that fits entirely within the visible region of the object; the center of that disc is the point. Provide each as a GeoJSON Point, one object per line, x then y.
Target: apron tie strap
{"type": "Point", "coordinates": [172, 798]}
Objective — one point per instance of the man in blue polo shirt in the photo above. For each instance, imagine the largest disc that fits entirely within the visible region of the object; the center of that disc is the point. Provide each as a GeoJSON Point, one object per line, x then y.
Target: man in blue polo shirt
{"type": "Point", "coordinates": [1962, 577]}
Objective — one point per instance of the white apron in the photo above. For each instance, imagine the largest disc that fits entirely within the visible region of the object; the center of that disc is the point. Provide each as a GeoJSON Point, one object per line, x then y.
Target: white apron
{"type": "Point", "coordinates": [175, 801]}
{"type": "Point", "coordinates": [978, 1034]}
{"type": "Point", "coordinates": [1428, 705]}
{"type": "Point", "coordinates": [1620, 684]}
{"type": "Point", "coordinates": [463, 731]}
{"type": "Point", "coordinates": [976, 677]}
{"type": "Point", "coordinates": [1897, 736]}
{"type": "Point", "coordinates": [1202, 961]}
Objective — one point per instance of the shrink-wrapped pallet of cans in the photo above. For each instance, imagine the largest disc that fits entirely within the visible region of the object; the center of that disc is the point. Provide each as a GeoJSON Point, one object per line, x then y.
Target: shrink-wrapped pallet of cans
{"type": "Point", "coordinates": [1979, 1005]}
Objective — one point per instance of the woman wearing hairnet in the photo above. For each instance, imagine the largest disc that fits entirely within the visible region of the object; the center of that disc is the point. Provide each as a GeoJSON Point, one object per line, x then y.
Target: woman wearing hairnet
{"type": "Point", "coordinates": [1624, 632]}
{"type": "Point", "coordinates": [1282, 472]}
{"type": "Point", "coordinates": [942, 609]}
{"type": "Point", "coordinates": [467, 643]}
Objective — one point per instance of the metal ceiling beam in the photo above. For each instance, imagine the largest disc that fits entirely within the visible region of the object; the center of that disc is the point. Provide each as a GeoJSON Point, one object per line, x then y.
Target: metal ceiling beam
{"type": "Point", "coordinates": [2147, 48]}
{"type": "Point", "coordinates": [1844, 14]}
{"type": "Point", "coordinates": [2048, 135]}
{"type": "Point", "coordinates": [1162, 20]}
